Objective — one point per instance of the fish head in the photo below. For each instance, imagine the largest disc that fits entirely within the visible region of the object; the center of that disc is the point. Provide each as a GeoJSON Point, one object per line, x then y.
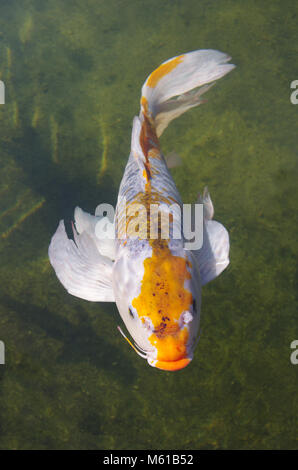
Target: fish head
{"type": "Point", "coordinates": [158, 295]}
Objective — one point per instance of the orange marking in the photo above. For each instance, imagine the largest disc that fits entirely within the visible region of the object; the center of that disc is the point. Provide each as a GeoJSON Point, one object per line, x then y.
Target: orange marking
{"type": "Point", "coordinates": [145, 199]}
{"type": "Point", "coordinates": [148, 137]}
{"type": "Point", "coordinates": [145, 175]}
{"type": "Point", "coordinates": [150, 148]}
{"type": "Point", "coordinates": [163, 298]}
{"type": "Point", "coordinates": [171, 347]}
{"type": "Point", "coordinates": [173, 365]}
{"type": "Point", "coordinates": [144, 104]}
{"type": "Point", "coordinates": [154, 153]}
{"type": "Point", "coordinates": [163, 70]}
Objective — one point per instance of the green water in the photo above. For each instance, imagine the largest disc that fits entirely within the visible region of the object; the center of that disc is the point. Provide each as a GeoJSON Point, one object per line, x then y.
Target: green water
{"type": "Point", "coordinates": [73, 73]}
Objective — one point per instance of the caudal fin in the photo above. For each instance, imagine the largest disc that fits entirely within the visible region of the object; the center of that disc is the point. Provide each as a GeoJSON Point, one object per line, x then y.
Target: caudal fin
{"type": "Point", "coordinates": [180, 77]}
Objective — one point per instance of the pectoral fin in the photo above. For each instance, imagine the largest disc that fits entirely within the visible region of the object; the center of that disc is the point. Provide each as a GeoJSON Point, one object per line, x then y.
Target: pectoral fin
{"type": "Point", "coordinates": [213, 257]}
{"type": "Point", "coordinates": [79, 266]}
{"type": "Point", "coordinates": [90, 224]}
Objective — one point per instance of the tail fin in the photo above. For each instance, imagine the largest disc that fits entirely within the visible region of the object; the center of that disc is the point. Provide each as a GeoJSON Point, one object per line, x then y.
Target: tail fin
{"type": "Point", "coordinates": [178, 77]}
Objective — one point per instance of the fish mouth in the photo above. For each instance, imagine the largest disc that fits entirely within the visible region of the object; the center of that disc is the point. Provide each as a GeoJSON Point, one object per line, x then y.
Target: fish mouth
{"type": "Point", "coordinates": [170, 365]}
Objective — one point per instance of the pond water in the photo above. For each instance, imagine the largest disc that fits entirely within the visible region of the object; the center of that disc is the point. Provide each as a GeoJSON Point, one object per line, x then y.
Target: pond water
{"type": "Point", "coordinates": [73, 73]}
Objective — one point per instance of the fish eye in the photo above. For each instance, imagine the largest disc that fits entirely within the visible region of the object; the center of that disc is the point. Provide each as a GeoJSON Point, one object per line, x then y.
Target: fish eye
{"type": "Point", "coordinates": [131, 313]}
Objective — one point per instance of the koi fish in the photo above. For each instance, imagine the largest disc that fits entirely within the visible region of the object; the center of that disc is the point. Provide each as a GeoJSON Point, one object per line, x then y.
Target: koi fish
{"type": "Point", "coordinates": [156, 283]}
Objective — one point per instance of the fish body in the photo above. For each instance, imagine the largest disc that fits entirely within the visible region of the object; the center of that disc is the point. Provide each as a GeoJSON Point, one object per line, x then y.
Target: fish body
{"type": "Point", "coordinates": [154, 279]}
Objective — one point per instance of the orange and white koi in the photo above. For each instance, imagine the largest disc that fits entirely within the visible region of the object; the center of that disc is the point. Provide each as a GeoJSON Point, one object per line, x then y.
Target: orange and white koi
{"type": "Point", "coordinates": [155, 282]}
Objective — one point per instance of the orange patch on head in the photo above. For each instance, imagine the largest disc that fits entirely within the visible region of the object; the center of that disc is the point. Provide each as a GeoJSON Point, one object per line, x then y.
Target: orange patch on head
{"type": "Point", "coordinates": [171, 347]}
{"type": "Point", "coordinates": [163, 298]}
{"type": "Point", "coordinates": [163, 70]}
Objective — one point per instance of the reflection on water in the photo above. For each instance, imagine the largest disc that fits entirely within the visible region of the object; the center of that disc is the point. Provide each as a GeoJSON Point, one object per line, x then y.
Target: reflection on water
{"type": "Point", "coordinates": [73, 73]}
